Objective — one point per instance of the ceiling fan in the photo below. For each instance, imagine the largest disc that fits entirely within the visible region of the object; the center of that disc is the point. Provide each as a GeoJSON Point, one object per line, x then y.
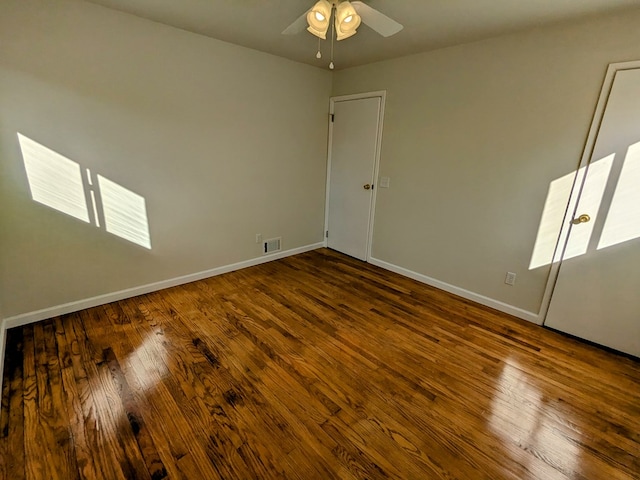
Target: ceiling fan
{"type": "Point", "coordinates": [347, 17]}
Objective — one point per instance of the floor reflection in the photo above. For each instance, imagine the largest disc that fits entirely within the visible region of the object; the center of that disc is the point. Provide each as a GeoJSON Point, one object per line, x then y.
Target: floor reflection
{"type": "Point", "coordinates": [538, 428]}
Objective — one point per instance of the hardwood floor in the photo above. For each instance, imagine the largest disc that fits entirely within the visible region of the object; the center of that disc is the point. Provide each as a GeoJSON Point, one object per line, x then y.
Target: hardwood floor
{"type": "Point", "coordinates": [314, 366]}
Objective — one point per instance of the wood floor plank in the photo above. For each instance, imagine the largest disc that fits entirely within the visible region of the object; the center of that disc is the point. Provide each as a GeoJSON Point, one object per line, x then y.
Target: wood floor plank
{"type": "Point", "coordinates": [315, 366]}
{"type": "Point", "coordinates": [117, 434]}
{"type": "Point", "coordinates": [147, 369]}
{"type": "Point", "coordinates": [244, 395]}
{"type": "Point", "coordinates": [13, 464]}
{"type": "Point", "coordinates": [182, 457]}
{"type": "Point", "coordinates": [73, 404]}
{"type": "Point", "coordinates": [223, 398]}
{"type": "Point", "coordinates": [99, 459]}
{"type": "Point", "coordinates": [38, 459]}
{"type": "Point", "coordinates": [58, 421]}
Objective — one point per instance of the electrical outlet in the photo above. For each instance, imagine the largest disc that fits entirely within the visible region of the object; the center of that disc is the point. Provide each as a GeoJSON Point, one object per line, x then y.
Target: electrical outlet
{"type": "Point", "coordinates": [510, 279]}
{"type": "Point", "coordinates": [258, 238]}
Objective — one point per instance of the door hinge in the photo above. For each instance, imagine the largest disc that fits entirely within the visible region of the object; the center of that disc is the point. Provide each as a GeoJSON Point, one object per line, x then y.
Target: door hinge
{"type": "Point", "coordinates": [326, 234]}
{"type": "Point", "coordinates": [333, 116]}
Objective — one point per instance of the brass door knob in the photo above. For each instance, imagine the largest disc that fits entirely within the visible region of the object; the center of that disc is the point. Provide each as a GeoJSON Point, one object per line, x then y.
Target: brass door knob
{"type": "Point", "coordinates": [584, 218]}
{"type": "Point", "coordinates": [367, 187]}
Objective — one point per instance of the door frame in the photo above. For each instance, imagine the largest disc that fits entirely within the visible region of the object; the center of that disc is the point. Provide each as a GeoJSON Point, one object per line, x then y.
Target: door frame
{"type": "Point", "coordinates": [382, 95]}
{"type": "Point", "coordinates": [576, 190]}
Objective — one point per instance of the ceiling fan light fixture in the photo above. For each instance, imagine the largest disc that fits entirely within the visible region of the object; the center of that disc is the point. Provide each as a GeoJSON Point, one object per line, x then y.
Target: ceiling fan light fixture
{"type": "Point", "coordinates": [318, 18]}
{"type": "Point", "coordinates": [347, 20]}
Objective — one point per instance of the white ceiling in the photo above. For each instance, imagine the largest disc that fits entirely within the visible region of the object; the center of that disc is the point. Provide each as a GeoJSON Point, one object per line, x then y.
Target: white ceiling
{"type": "Point", "coordinates": [429, 24]}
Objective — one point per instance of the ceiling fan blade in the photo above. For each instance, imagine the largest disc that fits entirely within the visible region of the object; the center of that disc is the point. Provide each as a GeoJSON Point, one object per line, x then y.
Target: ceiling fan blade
{"type": "Point", "coordinates": [376, 20]}
{"type": "Point", "coordinates": [297, 26]}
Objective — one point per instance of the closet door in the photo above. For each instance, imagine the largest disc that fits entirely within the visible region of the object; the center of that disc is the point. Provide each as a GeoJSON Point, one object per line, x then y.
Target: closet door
{"type": "Point", "coordinates": [597, 293]}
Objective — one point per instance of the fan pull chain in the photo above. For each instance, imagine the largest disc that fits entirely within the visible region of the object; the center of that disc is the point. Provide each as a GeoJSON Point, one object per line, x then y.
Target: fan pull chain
{"type": "Point", "coordinates": [333, 36]}
{"type": "Point", "coordinates": [319, 54]}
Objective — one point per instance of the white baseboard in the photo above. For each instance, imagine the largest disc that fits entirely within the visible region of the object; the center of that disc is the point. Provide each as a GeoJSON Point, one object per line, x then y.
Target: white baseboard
{"type": "Point", "coordinates": [481, 299]}
{"type": "Point", "coordinates": [36, 316]}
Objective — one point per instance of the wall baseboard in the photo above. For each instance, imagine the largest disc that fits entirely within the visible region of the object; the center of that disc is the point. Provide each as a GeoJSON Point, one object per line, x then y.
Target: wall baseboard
{"type": "Point", "coordinates": [36, 316]}
{"type": "Point", "coordinates": [475, 297]}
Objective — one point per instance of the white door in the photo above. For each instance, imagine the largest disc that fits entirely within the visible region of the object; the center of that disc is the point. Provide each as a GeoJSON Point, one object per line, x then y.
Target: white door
{"type": "Point", "coordinates": [597, 293]}
{"type": "Point", "coordinates": [354, 144]}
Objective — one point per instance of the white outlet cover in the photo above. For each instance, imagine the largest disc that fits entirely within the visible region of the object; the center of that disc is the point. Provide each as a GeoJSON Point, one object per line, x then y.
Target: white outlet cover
{"type": "Point", "coordinates": [510, 279]}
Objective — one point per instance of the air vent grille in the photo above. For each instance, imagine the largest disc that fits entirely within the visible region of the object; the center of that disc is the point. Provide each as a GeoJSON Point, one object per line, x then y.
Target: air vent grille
{"type": "Point", "coordinates": [272, 245]}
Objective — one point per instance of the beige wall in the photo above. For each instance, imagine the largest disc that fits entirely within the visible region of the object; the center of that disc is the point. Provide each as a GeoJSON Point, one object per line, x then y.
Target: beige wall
{"type": "Point", "coordinates": [473, 135]}
{"type": "Point", "coordinates": [225, 142]}
{"type": "Point", "coordinates": [222, 142]}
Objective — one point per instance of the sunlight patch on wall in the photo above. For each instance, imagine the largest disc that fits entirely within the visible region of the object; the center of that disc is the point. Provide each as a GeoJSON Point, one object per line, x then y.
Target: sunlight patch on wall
{"type": "Point", "coordinates": [125, 212]}
{"type": "Point", "coordinates": [623, 221]}
{"type": "Point", "coordinates": [551, 222]}
{"type": "Point", "coordinates": [54, 180]}
{"type": "Point", "coordinates": [57, 182]}
{"type": "Point", "coordinates": [590, 200]}
{"type": "Point", "coordinates": [554, 211]}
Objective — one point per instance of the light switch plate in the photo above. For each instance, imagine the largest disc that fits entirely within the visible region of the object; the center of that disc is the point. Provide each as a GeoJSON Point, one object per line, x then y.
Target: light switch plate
{"type": "Point", "coordinates": [384, 182]}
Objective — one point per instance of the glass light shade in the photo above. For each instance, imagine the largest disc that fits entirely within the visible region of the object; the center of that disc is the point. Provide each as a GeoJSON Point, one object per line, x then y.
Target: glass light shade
{"type": "Point", "coordinates": [318, 18]}
{"type": "Point", "coordinates": [347, 21]}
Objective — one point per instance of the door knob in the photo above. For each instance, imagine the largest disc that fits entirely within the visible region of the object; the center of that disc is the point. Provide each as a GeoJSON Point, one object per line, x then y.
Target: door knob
{"type": "Point", "coordinates": [367, 187]}
{"type": "Point", "coordinates": [584, 218]}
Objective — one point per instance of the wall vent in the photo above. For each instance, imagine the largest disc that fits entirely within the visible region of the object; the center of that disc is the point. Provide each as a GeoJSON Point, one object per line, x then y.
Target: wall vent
{"type": "Point", "coordinates": [272, 245]}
